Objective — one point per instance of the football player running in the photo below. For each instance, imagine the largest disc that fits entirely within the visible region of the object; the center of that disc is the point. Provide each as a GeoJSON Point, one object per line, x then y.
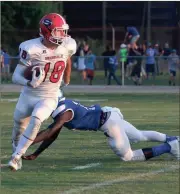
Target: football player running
{"type": "Point", "coordinates": [110, 121]}
{"type": "Point", "coordinates": [52, 53]}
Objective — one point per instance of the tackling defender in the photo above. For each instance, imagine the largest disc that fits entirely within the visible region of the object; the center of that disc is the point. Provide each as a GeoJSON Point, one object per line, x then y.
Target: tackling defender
{"type": "Point", "coordinates": [52, 53]}
{"type": "Point", "coordinates": [73, 115]}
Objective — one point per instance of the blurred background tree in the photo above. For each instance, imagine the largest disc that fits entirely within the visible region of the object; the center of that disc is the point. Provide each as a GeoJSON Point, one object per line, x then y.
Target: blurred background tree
{"type": "Point", "coordinates": [19, 21]}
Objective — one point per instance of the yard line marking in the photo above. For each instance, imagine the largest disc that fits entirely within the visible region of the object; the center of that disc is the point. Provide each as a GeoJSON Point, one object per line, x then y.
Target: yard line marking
{"type": "Point", "coordinates": [10, 100]}
{"type": "Point", "coordinates": [4, 157]}
{"type": "Point", "coordinates": [122, 179]}
{"type": "Point", "coordinates": [86, 166]}
{"type": "Point", "coordinates": [3, 165]}
{"type": "Point", "coordinates": [81, 100]}
{"type": "Point", "coordinates": [91, 100]}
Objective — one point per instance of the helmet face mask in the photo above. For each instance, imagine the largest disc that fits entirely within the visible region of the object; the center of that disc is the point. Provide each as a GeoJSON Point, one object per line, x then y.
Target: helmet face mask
{"type": "Point", "coordinates": [54, 28]}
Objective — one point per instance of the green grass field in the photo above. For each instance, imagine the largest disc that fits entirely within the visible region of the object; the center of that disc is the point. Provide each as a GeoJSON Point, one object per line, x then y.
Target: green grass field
{"type": "Point", "coordinates": [56, 170]}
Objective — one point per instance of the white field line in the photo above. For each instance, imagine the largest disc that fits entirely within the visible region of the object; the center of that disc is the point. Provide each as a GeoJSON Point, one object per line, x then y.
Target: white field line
{"type": "Point", "coordinates": [91, 100]}
{"type": "Point", "coordinates": [5, 156]}
{"type": "Point", "coordinates": [4, 165]}
{"type": "Point", "coordinates": [81, 100]}
{"type": "Point", "coordinates": [86, 166]}
{"type": "Point", "coordinates": [120, 180]}
{"type": "Point", "coordinates": [9, 100]}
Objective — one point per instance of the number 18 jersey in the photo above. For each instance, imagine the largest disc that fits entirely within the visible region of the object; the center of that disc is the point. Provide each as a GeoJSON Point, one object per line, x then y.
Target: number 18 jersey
{"type": "Point", "coordinates": [33, 52]}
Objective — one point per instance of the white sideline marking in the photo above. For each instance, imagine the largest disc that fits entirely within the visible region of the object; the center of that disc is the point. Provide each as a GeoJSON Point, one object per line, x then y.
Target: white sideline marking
{"type": "Point", "coordinates": [91, 100]}
{"type": "Point", "coordinates": [86, 166]}
{"type": "Point", "coordinates": [3, 157]}
{"type": "Point", "coordinates": [10, 100]}
{"type": "Point", "coordinates": [122, 179]}
{"type": "Point", "coordinates": [4, 165]}
{"type": "Point", "coordinates": [81, 100]}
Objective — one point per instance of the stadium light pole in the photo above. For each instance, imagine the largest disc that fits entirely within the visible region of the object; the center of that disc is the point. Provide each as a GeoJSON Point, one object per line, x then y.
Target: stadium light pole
{"type": "Point", "coordinates": [61, 7]}
{"type": "Point", "coordinates": [149, 21]}
{"type": "Point", "coordinates": [104, 5]}
{"type": "Point", "coordinates": [113, 36]}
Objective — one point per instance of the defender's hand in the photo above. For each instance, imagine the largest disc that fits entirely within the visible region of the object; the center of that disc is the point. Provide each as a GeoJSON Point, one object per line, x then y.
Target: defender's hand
{"type": "Point", "coordinates": [29, 157]}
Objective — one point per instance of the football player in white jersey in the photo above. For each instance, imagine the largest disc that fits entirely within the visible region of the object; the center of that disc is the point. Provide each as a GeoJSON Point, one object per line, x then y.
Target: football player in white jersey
{"type": "Point", "coordinates": [52, 53]}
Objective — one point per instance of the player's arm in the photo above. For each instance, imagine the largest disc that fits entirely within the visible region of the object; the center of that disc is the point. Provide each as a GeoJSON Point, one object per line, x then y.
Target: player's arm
{"type": "Point", "coordinates": [45, 144]}
{"type": "Point", "coordinates": [49, 136]}
{"type": "Point", "coordinates": [18, 75]}
{"type": "Point", "coordinates": [67, 72]}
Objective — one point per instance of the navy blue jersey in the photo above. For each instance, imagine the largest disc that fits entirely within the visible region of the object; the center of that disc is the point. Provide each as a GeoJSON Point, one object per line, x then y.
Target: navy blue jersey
{"type": "Point", "coordinates": [132, 31]}
{"type": "Point", "coordinates": [84, 117]}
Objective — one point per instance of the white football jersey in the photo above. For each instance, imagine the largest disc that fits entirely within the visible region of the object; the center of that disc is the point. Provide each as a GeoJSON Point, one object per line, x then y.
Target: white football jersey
{"type": "Point", "coordinates": [53, 62]}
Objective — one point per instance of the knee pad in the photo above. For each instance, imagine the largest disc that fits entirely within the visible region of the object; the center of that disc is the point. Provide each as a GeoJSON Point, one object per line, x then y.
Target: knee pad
{"type": "Point", "coordinates": [20, 124]}
{"type": "Point", "coordinates": [117, 147]}
{"type": "Point", "coordinates": [18, 129]}
{"type": "Point", "coordinates": [128, 156]}
{"type": "Point", "coordinates": [33, 128]}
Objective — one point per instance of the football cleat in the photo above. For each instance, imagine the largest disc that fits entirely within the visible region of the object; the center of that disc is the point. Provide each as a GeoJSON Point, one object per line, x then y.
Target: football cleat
{"type": "Point", "coordinates": [175, 148]}
{"type": "Point", "coordinates": [15, 164]}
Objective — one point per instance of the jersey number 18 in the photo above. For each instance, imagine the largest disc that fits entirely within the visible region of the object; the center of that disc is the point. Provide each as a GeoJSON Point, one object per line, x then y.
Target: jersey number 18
{"type": "Point", "coordinates": [55, 76]}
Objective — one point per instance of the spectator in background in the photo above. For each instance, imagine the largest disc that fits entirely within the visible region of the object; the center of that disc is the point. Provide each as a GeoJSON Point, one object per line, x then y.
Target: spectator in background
{"type": "Point", "coordinates": [173, 63]}
{"type": "Point", "coordinates": [2, 63]}
{"type": "Point", "coordinates": [106, 55]}
{"type": "Point", "coordinates": [113, 63]}
{"type": "Point", "coordinates": [166, 52]}
{"type": "Point", "coordinates": [136, 70]}
{"type": "Point", "coordinates": [158, 53]}
{"type": "Point", "coordinates": [90, 66]}
{"type": "Point", "coordinates": [81, 62]}
{"type": "Point", "coordinates": [133, 35]}
{"type": "Point", "coordinates": [85, 47]}
{"type": "Point", "coordinates": [6, 68]}
{"type": "Point", "coordinates": [131, 61]}
{"type": "Point", "coordinates": [150, 61]}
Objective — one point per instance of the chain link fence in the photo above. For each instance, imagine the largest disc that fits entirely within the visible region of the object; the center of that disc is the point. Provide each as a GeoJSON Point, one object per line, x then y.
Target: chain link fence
{"type": "Point", "coordinates": [101, 71]}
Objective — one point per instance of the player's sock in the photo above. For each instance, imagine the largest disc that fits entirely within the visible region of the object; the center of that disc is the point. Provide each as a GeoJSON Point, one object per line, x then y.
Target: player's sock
{"type": "Point", "coordinates": [170, 138]}
{"type": "Point", "coordinates": [28, 136]}
{"type": "Point", "coordinates": [156, 151]}
{"type": "Point", "coordinates": [154, 136]}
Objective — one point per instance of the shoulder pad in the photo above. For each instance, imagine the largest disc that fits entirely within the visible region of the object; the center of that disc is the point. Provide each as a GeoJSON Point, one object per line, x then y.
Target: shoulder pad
{"type": "Point", "coordinates": [71, 46]}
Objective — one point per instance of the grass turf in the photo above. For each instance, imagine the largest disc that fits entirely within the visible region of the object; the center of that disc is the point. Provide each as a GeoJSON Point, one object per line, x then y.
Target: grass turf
{"type": "Point", "coordinates": [53, 173]}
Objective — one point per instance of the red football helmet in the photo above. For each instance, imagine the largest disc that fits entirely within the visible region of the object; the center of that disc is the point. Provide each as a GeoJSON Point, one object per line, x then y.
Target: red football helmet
{"type": "Point", "coordinates": [53, 28]}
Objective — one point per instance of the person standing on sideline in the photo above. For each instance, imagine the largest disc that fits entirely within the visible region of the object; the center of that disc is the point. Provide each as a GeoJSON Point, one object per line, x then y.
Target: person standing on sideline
{"type": "Point", "coordinates": [90, 61]}
{"type": "Point", "coordinates": [81, 63]}
{"type": "Point", "coordinates": [173, 62]}
{"type": "Point", "coordinates": [106, 55]}
{"type": "Point", "coordinates": [6, 68]}
{"type": "Point", "coordinates": [150, 61]}
{"type": "Point", "coordinates": [113, 63]}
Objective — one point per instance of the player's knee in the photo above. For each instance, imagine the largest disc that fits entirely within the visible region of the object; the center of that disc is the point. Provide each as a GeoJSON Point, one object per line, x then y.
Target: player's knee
{"type": "Point", "coordinates": [142, 137]}
{"type": "Point", "coordinates": [139, 137]}
{"type": "Point", "coordinates": [128, 156]}
{"type": "Point", "coordinates": [33, 128]}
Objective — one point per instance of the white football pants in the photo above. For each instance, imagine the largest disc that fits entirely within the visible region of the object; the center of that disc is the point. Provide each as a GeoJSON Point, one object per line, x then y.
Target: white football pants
{"type": "Point", "coordinates": [28, 106]}
{"type": "Point", "coordinates": [120, 132]}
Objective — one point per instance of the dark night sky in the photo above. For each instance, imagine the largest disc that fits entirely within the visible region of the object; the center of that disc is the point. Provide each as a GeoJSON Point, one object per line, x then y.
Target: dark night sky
{"type": "Point", "coordinates": [89, 14]}
{"type": "Point", "coordinates": [81, 15]}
